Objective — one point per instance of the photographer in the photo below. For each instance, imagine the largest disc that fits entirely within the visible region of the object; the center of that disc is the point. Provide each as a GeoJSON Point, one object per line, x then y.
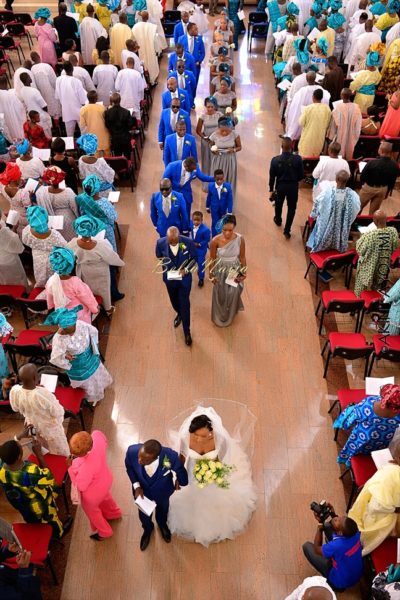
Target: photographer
{"type": "Point", "coordinates": [339, 559]}
{"type": "Point", "coordinates": [21, 583]}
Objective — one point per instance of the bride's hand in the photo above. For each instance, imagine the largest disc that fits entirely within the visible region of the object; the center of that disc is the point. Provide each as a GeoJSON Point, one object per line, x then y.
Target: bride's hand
{"type": "Point", "coordinates": [177, 486]}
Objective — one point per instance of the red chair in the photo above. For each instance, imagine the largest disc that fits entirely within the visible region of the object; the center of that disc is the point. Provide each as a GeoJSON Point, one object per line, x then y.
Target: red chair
{"type": "Point", "coordinates": [372, 300]}
{"type": "Point", "coordinates": [308, 227]}
{"type": "Point", "coordinates": [10, 294]}
{"type": "Point", "coordinates": [73, 401]}
{"type": "Point", "coordinates": [28, 343]}
{"type": "Point", "coordinates": [330, 259]}
{"type": "Point", "coordinates": [384, 555]}
{"type": "Point", "coordinates": [347, 345]}
{"type": "Point", "coordinates": [36, 538]}
{"type": "Point", "coordinates": [386, 347]}
{"type": "Point", "coordinates": [395, 259]}
{"type": "Point", "coordinates": [346, 397]}
{"type": "Point", "coordinates": [58, 466]}
{"type": "Point", "coordinates": [122, 166]}
{"type": "Point", "coordinates": [341, 301]}
{"type": "Point", "coordinates": [361, 469]}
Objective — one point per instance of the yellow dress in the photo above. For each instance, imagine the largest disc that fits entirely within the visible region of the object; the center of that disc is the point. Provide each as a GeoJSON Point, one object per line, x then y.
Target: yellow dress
{"type": "Point", "coordinates": [385, 21]}
{"type": "Point", "coordinates": [365, 78]}
{"type": "Point", "coordinates": [104, 15]}
{"type": "Point", "coordinates": [92, 121]}
{"type": "Point", "coordinates": [315, 120]}
{"type": "Point", "coordinates": [373, 511]}
{"type": "Point", "coordinates": [98, 61]}
{"type": "Point", "coordinates": [391, 68]}
{"type": "Point", "coordinates": [81, 10]}
{"type": "Point", "coordinates": [329, 35]}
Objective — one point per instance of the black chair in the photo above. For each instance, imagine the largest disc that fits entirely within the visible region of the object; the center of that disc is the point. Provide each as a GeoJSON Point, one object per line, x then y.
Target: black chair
{"type": "Point", "coordinates": [259, 31]}
{"type": "Point", "coordinates": [169, 30]}
{"type": "Point", "coordinates": [172, 16]}
{"type": "Point", "coordinates": [6, 16]}
{"type": "Point", "coordinates": [24, 18]}
{"type": "Point", "coordinates": [122, 166]}
{"type": "Point", "coordinates": [367, 145]}
{"type": "Point", "coordinates": [7, 43]}
{"type": "Point", "coordinates": [18, 30]}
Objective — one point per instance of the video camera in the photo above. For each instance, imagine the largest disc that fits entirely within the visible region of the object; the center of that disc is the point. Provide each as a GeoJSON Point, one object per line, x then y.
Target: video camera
{"type": "Point", "coordinates": [322, 510]}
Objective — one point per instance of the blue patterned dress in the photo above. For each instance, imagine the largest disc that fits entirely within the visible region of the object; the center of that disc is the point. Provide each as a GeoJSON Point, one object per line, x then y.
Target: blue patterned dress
{"type": "Point", "coordinates": [369, 433]}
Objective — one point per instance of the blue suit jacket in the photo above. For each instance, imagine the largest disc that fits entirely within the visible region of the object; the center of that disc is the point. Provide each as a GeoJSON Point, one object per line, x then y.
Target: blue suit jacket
{"type": "Point", "coordinates": [186, 257]}
{"type": "Point", "coordinates": [223, 204]}
{"type": "Point", "coordinates": [170, 148]}
{"type": "Point", "coordinates": [199, 51]}
{"type": "Point", "coordinates": [178, 31]}
{"type": "Point", "coordinates": [187, 57]}
{"type": "Point", "coordinates": [178, 214]}
{"type": "Point", "coordinates": [203, 236]}
{"type": "Point", "coordinates": [190, 83]}
{"type": "Point", "coordinates": [164, 127]}
{"type": "Point", "coordinates": [184, 97]}
{"type": "Point", "coordinates": [160, 486]}
{"type": "Point", "coordinates": [173, 172]}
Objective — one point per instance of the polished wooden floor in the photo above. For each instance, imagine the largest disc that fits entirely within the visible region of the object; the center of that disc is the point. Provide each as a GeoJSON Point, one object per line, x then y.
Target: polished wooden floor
{"type": "Point", "coordinates": [269, 359]}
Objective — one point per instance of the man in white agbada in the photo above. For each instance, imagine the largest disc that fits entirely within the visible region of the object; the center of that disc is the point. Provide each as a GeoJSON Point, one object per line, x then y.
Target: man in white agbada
{"type": "Point", "coordinates": [327, 168]}
{"type": "Point", "coordinates": [364, 35]}
{"type": "Point", "coordinates": [45, 79]}
{"type": "Point", "coordinates": [90, 31]}
{"type": "Point", "coordinates": [145, 34]}
{"type": "Point", "coordinates": [299, 81]}
{"type": "Point", "coordinates": [303, 97]}
{"type": "Point", "coordinates": [104, 77]}
{"type": "Point", "coordinates": [17, 84]}
{"type": "Point", "coordinates": [70, 92]}
{"type": "Point", "coordinates": [392, 34]}
{"type": "Point", "coordinates": [130, 85]}
{"type": "Point", "coordinates": [40, 408]}
{"type": "Point", "coordinates": [11, 269]}
{"type": "Point", "coordinates": [81, 74]}
{"type": "Point", "coordinates": [13, 110]}
{"type": "Point", "coordinates": [132, 50]}
{"type": "Point", "coordinates": [33, 100]}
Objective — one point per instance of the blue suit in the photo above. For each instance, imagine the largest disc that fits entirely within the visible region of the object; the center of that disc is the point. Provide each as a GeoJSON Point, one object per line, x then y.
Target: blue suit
{"type": "Point", "coordinates": [164, 126]}
{"type": "Point", "coordinates": [190, 65]}
{"type": "Point", "coordinates": [198, 53]}
{"type": "Point", "coordinates": [178, 290]}
{"type": "Point", "coordinates": [219, 206]}
{"type": "Point", "coordinates": [202, 237]}
{"type": "Point", "coordinates": [170, 153]}
{"type": "Point", "coordinates": [184, 97]}
{"type": "Point", "coordinates": [178, 214]}
{"type": "Point", "coordinates": [178, 31]}
{"type": "Point", "coordinates": [190, 83]}
{"type": "Point", "coordinates": [160, 486]}
{"type": "Point", "coordinates": [173, 172]}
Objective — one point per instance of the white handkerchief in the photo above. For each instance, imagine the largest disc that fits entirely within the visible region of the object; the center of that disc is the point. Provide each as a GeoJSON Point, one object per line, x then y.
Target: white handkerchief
{"type": "Point", "coordinates": [284, 85]}
{"type": "Point", "coordinates": [361, 165]}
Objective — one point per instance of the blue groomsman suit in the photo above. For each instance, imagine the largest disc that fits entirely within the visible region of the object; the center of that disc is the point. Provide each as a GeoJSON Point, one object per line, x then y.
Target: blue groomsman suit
{"type": "Point", "coordinates": [202, 237]}
{"type": "Point", "coordinates": [198, 52]}
{"type": "Point", "coordinates": [219, 205]}
{"type": "Point", "coordinates": [190, 65]}
{"type": "Point", "coordinates": [174, 171]}
{"type": "Point", "coordinates": [164, 127]}
{"type": "Point", "coordinates": [178, 290]}
{"type": "Point", "coordinates": [183, 95]}
{"type": "Point", "coordinates": [160, 486]}
{"type": "Point", "coordinates": [190, 83]}
{"type": "Point", "coordinates": [178, 214]}
{"type": "Point", "coordinates": [170, 153]}
{"type": "Point", "coordinates": [179, 31]}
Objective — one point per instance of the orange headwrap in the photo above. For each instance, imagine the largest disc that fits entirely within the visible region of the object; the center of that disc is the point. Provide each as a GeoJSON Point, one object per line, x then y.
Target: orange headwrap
{"type": "Point", "coordinates": [53, 175]}
{"type": "Point", "coordinates": [80, 443]}
{"type": "Point", "coordinates": [11, 173]}
{"type": "Point", "coordinates": [390, 397]}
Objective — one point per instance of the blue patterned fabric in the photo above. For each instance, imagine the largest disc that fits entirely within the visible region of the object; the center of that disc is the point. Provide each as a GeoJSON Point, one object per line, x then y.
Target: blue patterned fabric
{"type": "Point", "coordinates": [274, 14]}
{"type": "Point", "coordinates": [368, 90]}
{"type": "Point", "coordinates": [378, 9]}
{"type": "Point", "coordinates": [84, 365]}
{"type": "Point", "coordinates": [323, 45]}
{"type": "Point", "coordinates": [88, 142]}
{"type": "Point", "coordinates": [43, 13]}
{"type": "Point", "coordinates": [373, 59]}
{"type": "Point", "coordinates": [369, 433]}
{"type": "Point", "coordinates": [64, 317]}
{"type": "Point", "coordinates": [393, 6]}
{"type": "Point", "coordinates": [22, 147]}
{"type": "Point", "coordinates": [38, 218]}
{"type": "Point", "coordinates": [62, 260]}
{"type": "Point", "coordinates": [88, 226]}
{"type": "Point", "coordinates": [336, 20]}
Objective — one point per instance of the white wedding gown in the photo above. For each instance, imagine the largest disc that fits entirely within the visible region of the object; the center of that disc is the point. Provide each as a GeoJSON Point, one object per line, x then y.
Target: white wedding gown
{"type": "Point", "coordinates": [212, 514]}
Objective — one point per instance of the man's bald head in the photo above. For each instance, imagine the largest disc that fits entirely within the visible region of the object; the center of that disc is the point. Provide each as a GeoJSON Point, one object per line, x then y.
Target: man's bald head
{"type": "Point", "coordinates": [145, 15]}
{"type": "Point", "coordinates": [379, 217]}
{"type": "Point", "coordinates": [73, 60]}
{"type": "Point", "coordinates": [173, 235]}
{"type": "Point", "coordinates": [311, 77]}
{"type": "Point", "coordinates": [317, 593]}
{"type": "Point", "coordinates": [29, 376]}
{"type": "Point", "coordinates": [385, 149]}
{"type": "Point", "coordinates": [342, 178]}
{"type": "Point", "coordinates": [130, 63]}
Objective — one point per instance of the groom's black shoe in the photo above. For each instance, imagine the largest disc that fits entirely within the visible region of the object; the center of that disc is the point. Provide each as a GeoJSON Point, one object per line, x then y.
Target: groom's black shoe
{"type": "Point", "coordinates": [177, 321]}
{"type": "Point", "coordinates": [145, 540]}
{"type": "Point", "coordinates": [166, 534]}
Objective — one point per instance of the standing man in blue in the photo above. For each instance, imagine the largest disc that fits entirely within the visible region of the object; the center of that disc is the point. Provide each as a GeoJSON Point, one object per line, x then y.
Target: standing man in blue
{"type": "Point", "coordinates": [219, 199]}
{"type": "Point", "coordinates": [193, 42]}
{"type": "Point", "coordinates": [179, 145]}
{"type": "Point", "coordinates": [177, 257]}
{"type": "Point", "coordinates": [150, 468]}
{"type": "Point", "coordinates": [181, 173]}
{"type": "Point", "coordinates": [186, 80]}
{"type": "Point", "coordinates": [168, 120]}
{"type": "Point", "coordinates": [167, 209]}
{"type": "Point", "coordinates": [181, 27]}
{"type": "Point", "coordinates": [181, 54]}
{"type": "Point", "coordinates": [201, 236]}
{"type": "Point", "coordinates": [172, 92]}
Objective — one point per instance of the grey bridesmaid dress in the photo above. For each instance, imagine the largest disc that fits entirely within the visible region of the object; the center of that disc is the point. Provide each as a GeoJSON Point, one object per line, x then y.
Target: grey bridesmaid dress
{"type": "Point", "coordinates": [226, 299]}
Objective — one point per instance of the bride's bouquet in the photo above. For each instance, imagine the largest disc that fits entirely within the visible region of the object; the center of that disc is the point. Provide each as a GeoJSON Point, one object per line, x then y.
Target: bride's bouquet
{"type": "Point", "coordinates": [212, 471]}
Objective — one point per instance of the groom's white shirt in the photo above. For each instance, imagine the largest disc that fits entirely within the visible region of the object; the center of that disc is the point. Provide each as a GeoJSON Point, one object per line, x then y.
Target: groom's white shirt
{"type": "Point", "coordinates": [150, 470]}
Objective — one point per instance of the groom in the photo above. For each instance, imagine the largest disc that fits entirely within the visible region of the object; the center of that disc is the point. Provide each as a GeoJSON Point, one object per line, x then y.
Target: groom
{"type": "Point", "coordinates": [150, 468]}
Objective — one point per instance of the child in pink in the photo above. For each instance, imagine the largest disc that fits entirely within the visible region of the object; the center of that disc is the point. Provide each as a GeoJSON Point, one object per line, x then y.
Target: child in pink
{"type": "Point", "coordinates": [91, 475]}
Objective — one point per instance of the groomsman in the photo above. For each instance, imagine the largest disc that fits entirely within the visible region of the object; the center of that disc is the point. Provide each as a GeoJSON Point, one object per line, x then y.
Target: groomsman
{"type": "Point", "coordinates": [179, 145]}
{"type": "Point", "coordinates": [186, 80]}
{"type": "Point", "coordinates": [167, 209]}
{"type": "Point", "coordinates": [181, 27]}
{"type": "Point", "coordinates": [219, 199]}
{"type": "Point", "coordinates": [172, 92]}
{"type": "Point", "coordinates": [201, 236]}
{"type": "Point", "coordinates": [181, 173]}
{"type": "Point", "coordinates": [168, 120]}
{"type": "Point", "coordinates": [193, 43]}
{"type": "Point", "coordinates": [178, 255]}
{"type": "Point", "coordinates": [181, 54]}
{"type": "Point", "coordinates": [151, 469]}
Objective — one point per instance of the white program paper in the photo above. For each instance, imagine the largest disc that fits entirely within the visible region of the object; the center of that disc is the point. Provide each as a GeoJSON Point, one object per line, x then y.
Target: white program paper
{"type": "Point", "coordinates": [12, 217]}
{"type": "Point", "coordinates": [69, 142]}
{"type": "Point", "coordinates": [73, 16]}
{"type": "Point", "coordinates": [42, 153]}
{"type": "Point", "coordinates": [241, 15]}
{"type": "Point", "coordinates": [31, 185]}
{"type": "Point", "coordinates": [49, 382]}
{"type": "Point", "coordinates": [361, 165]}
{"type": "Point", "coordinates": [373, 384]}
{"type": "Point", "coordinates": [370, 227]}
{"type": "Point", "coordinates": [56, 221]}
{"type": "Point", "coordinates": [230, 280]}
{"type": "Point", "coordinates": [100, 236]}
{"type": "Point", "coordinates": [319, 78]}
{"type": "Point", "coordinates": [113, 197]}
{"type": "Point", "coordinates": [336, 104]}
{"type": "Point", "coordinates": [382, 457]}
{"type": "Point", "coordinates": [284, 85]}
{"type": "Point", "coordinates": [147, 506]}
{"type": "Point", "coordinates": [174, 276]}
{"type": "Point", "coordinates": [313, 34]}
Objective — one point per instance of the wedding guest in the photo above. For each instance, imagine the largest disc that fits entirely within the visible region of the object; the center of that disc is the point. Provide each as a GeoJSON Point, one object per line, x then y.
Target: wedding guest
{"type": "Point", "coordinates": [58, 201]}
{"type": "Point", "coordinates": [314, 120]}
{"type": "Point", "coordinates": [132, 51]}
{"type": "Point", "coordinates": [219, 199]}
{"type": "Point", "coordinates": [41, 239]}
{"type": "Point", "coordinates": [119, 34]}
{"type": "Point", "coordinates": [46, 35]}
{"type": "Point", "coordinates": [151, 41]}
{"type": "Point", "coordinates": [12, 192]}
{"type": "Point", "coordinates": [201, 236]}
{"type": "Point", "coordinates": [366, 82]}
{"type": "Point", "coordinates": [11, 270]}
{"type": "Point", "coordinates": [345, 125]}
{"type": "Point", "coordinates": [225, 143]}
{"type": "Point", "coordinates": [81, 74]}
{"type": "Point", "coordinates": [92, 478]}
{"type": "Point", "coordinates": [90, 30]}
{"type": "Point", "coordinates": [21, 583]}
{"type": "Point", "coordinates": [91, 203]}
{"type": "Point", "coordinates": [167, 209]}
{"type": "Point", "coordinates": [227, 261]}
{"type": "Point", "coordinates": [67, 28]}
{"type": "Point", "coordinates": [377, 177]}
{"type": "Point", "coordinates": [90, 165]}
{"type": "Point", "coordinates": [5, 330]}
{"type": "Point", "coordinates": [392, 297]}
{"type": "Point", "coordinates": [70, 51]}
{"type": "Point", "coordinates": [312, 587]}
{"type": "Point", "coordinates": [13, 111]}
{"type": "Point", "coordinates": [74, 348]}
{"type": "Point", "coordinates": [30, 166]}
{"type": "Point", "coordinates": [104, 76]}
{"type": "Point", "coordinates": [40, 408]}
{"type": "Point", "coordinates": [71, 95]}
{"type": "Point", "coordinates": [102, 45]}
{"type": "Point", "coordinates": [34, 132]}
{"type": "Point", "coordinates": [391, 122]}
{"type": "Point", "coordinates": [65, 163]}
{"type": "Point", "coordinates": [131, 85]}
{"type": "Point", "coordinates": [334, 78]}
{"type": "Point", "coordinates": [119, 123]}
{"type": "Point", "coordinates": [371, 122]}
{"type": "Point", "coordinates": [327, 169]}
{"type": "Point", "coordinates": [91, 123]}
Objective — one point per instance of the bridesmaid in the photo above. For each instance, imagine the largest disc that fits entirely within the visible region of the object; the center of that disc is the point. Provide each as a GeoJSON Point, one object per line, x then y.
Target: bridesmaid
{"type": "Point", "coordinates": [227, 261]}
{"type": "Point", "coordinates": [206, 125]}
{"type": "Point", "coordinates": [225, 142]}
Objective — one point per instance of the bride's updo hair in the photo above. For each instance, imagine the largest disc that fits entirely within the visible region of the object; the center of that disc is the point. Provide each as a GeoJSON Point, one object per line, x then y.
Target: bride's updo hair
{"type": "Point", "coordinates": [200, 422]}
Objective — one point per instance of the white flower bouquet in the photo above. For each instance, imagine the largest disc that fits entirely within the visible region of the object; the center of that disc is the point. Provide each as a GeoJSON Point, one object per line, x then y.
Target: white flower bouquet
{"type": "Point", "coordinates": [212, 471]}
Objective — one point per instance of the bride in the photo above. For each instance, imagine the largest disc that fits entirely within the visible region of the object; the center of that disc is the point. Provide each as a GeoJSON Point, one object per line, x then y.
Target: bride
{"type": "Point", "coordinates": [211, 513]}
